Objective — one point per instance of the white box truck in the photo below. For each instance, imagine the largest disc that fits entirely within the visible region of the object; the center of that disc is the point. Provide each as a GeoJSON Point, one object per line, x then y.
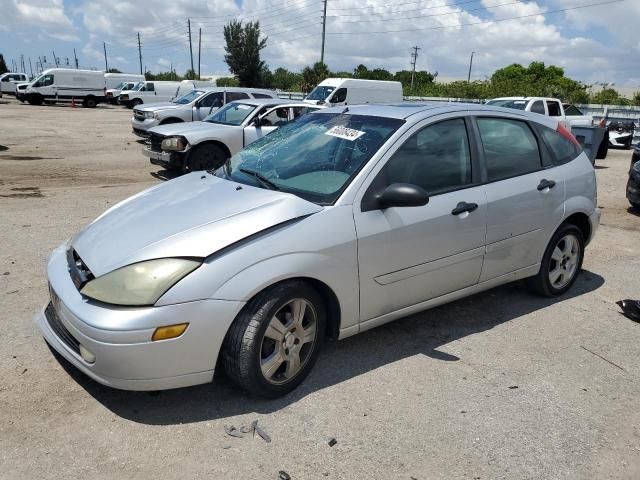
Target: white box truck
{"type": "Point", "coordinates": [158, 91]}
{"type": "Point", "coordinates": [353, 91]}
{"type": "Point", "coordinates": [67, 85]}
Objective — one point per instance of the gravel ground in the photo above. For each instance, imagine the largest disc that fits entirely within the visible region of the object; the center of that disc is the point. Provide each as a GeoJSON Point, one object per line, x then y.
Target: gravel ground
{"type": "Point", "coordinates": [499, 385]}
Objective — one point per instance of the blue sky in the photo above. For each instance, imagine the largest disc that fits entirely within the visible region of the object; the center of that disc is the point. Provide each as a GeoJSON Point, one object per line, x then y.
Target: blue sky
{"type": "Point", "coordinates": [597, 44]}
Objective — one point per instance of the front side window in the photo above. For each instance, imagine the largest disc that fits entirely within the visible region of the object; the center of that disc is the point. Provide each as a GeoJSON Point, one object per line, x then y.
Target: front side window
{"type": "Point", "coordinates": [231, 114]}
{"type": "Point", "coordinates": [436, 158]}
{"type": "Point", "coordinates": [510, 148]}
{"type": "Point", "coordinates": [538, 107]}
{"type": "Point", "coordinates": [340, 96]}
{"type": "Point", "coordinates": [150, 87]}
{"type": "Point", "coordinates": [314, 157]}
{"type": "Point", "coordinates": [45, 81]}
{"type": "Point", "coordinates": [213, 100]}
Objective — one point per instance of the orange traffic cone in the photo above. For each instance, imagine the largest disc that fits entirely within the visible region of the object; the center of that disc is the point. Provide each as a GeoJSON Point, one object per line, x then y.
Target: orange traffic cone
{"type": "Point", "coordinates": [73, 102]}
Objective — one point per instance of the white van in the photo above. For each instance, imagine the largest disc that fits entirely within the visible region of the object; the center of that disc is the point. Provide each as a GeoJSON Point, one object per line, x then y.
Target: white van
{"type": "Point", "coordinates": [67, 85]}
{"type": "Point", "coordinates": [8, 81]}
{"type": "Point", "coordinates": [113, 94]}
{"type": "Point", "coordinates": [353, 91]}
{"type": "Point", "coordinates": [112, 80]}
{"type": "Point", "coordinates": [158, 91]}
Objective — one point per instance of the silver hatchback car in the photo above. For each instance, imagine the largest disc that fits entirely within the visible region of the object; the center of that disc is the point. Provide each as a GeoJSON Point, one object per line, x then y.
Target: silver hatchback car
{"type": "Point", "coordinates": [341, 221]}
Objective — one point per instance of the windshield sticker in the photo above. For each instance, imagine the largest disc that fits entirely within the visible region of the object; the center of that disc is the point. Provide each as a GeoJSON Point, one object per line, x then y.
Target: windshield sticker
{"type": "Point", "coordinates": [345, 133]}
{"type": "Point", "coordinates": [519, 102]}
{"type": "Point", "coordinates": [242, 106]}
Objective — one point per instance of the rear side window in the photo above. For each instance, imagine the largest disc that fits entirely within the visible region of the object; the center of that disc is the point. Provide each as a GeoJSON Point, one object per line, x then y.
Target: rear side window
{"type": "Point", "coordinates": [554, 109]}
{"type": "Point", "coordinates": [562, 150]}
{"type": "Point", "coordinates": [232, 96]}
{"type": "Point", "coordinates": [538, 107]}
{"type": "Point", "coordinates": [261, 95]}
{"type": "Point", "coordinates": [510, 148]}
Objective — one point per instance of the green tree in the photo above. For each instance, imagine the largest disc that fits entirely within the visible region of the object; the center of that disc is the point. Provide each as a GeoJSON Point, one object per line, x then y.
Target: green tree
{"type": "Point", "coordinates": [312, 76]}
{"type": "Point", "coordinates": [227, 82]}
{"type": "Point", "coordinates": [607, 96]}
{"type": "Point", "coordinates": [190, 75]}
{"type": "Point", "coordinates": [423, 81]}
{"type": "Point", "coordinates": [113, 70]}
{"type": "Point", "coordinates": [3, 65]}
{"type": "Point", "coordinates": [285, 80]}
{"type": "Point", "coordinates": [635, 100]}
{"type": "Point", "coordinates": [243, 45]}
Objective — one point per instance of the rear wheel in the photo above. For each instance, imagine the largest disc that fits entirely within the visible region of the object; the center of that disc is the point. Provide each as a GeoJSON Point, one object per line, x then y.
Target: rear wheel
{"type": "Point", "coordinates": [561, 262]}
{"type": "Point", "coordinates": [274, 342]}
{"type": "Point", "coordinates": [205, 157]}
{"type": "Point", "coordinates": [635, 205]}
{"type": "Point", "coordinates": [89, 102]}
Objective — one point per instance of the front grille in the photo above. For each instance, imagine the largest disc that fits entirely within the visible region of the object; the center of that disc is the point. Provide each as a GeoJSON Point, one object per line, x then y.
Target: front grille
{"type": "Point", "coordinates": [156, 142]}
{"type": "Point", "coordinates": [59, 329]}
{"type": "Point", "coordinates": [139, 115]}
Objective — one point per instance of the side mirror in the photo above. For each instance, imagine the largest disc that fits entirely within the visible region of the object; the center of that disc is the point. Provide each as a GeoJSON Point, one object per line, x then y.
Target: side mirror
{"type": "Point", "coordinates": [196, 105]}
{"type": "Point", "coordinates": [402, 195]}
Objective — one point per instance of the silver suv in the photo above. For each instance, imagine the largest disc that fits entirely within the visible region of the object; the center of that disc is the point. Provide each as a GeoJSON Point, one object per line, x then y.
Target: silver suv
{"type": "Point", "coordinates": [193, 106]}
{"type": "Point", "coordinates": [340, 221]}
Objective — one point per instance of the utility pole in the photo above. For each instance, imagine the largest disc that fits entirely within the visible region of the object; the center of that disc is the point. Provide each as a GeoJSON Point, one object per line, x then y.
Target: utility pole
{"type": "Point", "coordinates": [76, 58]}
{"type": "Point", "coordinates": [55, 59]}
{"type": "Point", "coordinates": [30, 67]}
{"type": "Point", "coordinates": [324, 29]}
{"type": "Point", "coordinates": [414, 60]}
{"type": "Point", "coordinates": [470, 65]}
{"type": "Point", "coordinates": [190, 46]}
{"type": "Point", "coordinates": [140, 53]}
{"type": "Point", "coordinates": [106, 63]}
{"type": "Point", "coordinates": [22, 63]}
{"type": "Point", "coordinates": [199, 50]}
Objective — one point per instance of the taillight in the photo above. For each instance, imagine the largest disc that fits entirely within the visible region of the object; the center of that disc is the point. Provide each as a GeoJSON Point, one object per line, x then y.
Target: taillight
{"type": "Point", "coordinates": [567, 134]}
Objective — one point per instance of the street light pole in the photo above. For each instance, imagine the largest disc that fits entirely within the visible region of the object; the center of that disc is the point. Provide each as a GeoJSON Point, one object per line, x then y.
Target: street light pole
{"type": "Point", "coordinates": [470, 65]}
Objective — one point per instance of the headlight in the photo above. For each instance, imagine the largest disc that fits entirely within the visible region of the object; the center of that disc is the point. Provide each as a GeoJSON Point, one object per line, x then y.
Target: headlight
{"type": "Point", "coordinates": [139, 284]}
{"type": "Point", "coordinates": [174, 143]}
{"type": "Point", "coordinates": [148, 114]}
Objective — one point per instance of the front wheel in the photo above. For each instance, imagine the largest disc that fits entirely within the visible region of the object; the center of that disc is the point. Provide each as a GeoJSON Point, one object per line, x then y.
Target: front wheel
{"type": "Point", "coordinates": [274, 342]}
{"type": "Point", "coordinates": [205, 157]}
{"type": "Point", "coordinates": [561, 262]}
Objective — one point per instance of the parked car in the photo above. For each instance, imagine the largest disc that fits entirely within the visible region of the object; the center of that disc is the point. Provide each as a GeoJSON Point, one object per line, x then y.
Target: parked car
{"type": "Point", "coordinates": [193, 106]}
{"type": "Point", "coordinates": [567, 115]}
{"type": "Point", "coordinates": [621, 134]}
{"type": "Point", "coordinates": [338, 222]}
{"type": "Point", "coordinates": [113, 94]}
{"type": "Point", "coordinates": [208, 144]}
{"type": "Point", "coordinates": [633, 184]}
{"type": "Point", "coordinates": [67, 85]}
{"type": "Point", "coordinates": [158, 91]}
{"type": "Point", "coordinates": [352, 91]}
{"type": "Point", "coordinates": [8, 82]}
{"type": "Point", "coordinates": [112, 80]}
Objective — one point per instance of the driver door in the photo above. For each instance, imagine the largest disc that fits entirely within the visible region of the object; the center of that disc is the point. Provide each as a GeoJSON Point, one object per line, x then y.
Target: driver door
{"type": "Point", "coordinates": [269, 121]}
{"type": "Point", "coordinates": [408, 255]}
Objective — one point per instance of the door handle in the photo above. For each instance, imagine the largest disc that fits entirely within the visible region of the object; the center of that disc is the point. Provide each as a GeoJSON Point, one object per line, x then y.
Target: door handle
{"type": "Point", "coordinates": [544, 183]}
{"type": "Point", "coordinates": [464, 207]}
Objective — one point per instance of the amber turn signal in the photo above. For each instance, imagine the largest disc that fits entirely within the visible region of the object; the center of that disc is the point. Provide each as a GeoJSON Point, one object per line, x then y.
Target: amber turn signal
{"type": "Point", "coordinates": [170, 331]}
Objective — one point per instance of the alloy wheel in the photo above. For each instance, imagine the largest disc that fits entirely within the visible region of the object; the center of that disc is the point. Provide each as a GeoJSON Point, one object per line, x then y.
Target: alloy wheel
{"type": "Point", "coordinates": [564, 261]}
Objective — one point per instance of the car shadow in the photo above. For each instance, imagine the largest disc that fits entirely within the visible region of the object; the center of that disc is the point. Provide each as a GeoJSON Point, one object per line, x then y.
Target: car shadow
{"type": "Point", "coordinates": [600, 167]}
{"type": "Point", "coordinates": [165, 174]}
{"type": "Point", "coordinates": [634, 211]}
{"type": "Point", "coordinates": [420, 334]}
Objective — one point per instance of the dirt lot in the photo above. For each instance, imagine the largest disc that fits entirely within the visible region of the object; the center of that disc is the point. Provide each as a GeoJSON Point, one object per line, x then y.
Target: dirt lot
{"type": "Point", "coordinates": [500, 385]}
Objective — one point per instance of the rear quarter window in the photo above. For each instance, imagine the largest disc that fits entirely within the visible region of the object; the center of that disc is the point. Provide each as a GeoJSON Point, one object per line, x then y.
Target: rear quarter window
{"type": "Point", "coordinates": [261, 95]}
{"type": "Point", "coordinates": [562, 150]}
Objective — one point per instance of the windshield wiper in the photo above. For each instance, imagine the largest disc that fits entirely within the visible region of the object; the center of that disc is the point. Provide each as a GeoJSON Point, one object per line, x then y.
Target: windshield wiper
{"type": "Point", "coordinates": [261, 178]}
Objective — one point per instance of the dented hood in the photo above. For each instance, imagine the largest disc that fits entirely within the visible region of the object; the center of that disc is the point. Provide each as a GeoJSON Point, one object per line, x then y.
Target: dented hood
{"type": "Point", "coordinates": [192, 216]}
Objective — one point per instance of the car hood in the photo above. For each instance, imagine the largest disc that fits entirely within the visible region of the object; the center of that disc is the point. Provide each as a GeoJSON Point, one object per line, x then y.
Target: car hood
{"type": "Point", "coordinates": [192, 216]}
{"type": "Point", "coordinates": [154, 107]}
{"type": "Point", "coordinates": [189, 127]}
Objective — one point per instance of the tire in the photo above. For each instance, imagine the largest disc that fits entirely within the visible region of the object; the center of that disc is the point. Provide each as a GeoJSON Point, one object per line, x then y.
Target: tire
{"type": "Point", "coordinates": [266, 335]}
{"type": "Point", "coordinates": [205, 157]}
{"type": "Point", "coordinates": [134, 103]}
{"type": "Point", "coordinates": [563, 257]}
{"type": "Point", "coordinates": [89, 102]}
{"type": "Point", "coordinates": [35, 100]}
{"type": "Point", "coordinates": [635, 205]}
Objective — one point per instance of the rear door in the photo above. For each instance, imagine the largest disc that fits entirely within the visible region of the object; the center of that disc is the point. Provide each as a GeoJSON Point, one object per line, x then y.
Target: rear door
{"type": "Point", "coordinates": [407, 255]}
{"type": "Point", "coordinates": [525, 195]}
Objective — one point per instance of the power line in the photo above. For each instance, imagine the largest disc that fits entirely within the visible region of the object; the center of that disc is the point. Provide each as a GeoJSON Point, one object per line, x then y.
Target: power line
{"type": "Point", "coordinates": [452, 4]}
{"type": "Point", "coordinates": [259, 11]}
{"type": "Point", "coordinates": [444, 27]}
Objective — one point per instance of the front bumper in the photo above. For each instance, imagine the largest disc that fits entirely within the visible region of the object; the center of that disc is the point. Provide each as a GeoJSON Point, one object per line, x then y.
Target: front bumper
{"type": "Point", "coordinates": [120, 338]}
{"type": "Point", "coordinates": [144, 125]}
{"type": "Point", "coordinates": [164, 159]}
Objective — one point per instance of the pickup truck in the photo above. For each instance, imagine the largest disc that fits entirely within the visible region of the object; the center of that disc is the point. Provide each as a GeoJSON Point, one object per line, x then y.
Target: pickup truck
{"type": "Point", "coordinates": [593, 138]}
